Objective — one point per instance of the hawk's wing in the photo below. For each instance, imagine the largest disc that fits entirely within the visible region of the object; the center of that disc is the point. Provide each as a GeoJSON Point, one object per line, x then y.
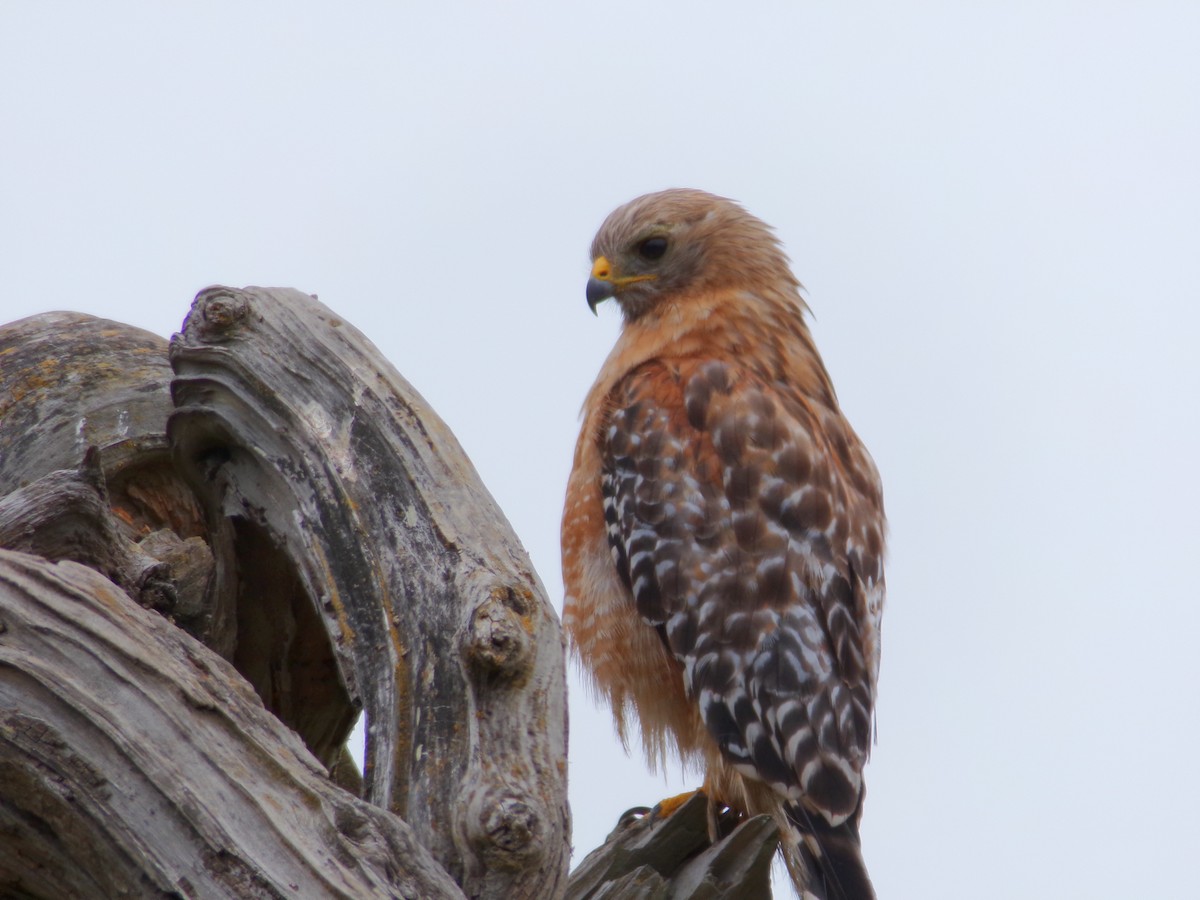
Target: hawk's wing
{"type": "Point", "coordinates": [748, 527]}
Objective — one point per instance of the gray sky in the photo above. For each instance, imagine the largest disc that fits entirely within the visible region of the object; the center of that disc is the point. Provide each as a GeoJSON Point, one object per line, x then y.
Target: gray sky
{"type": "Point", "coordinates": [995, 209]}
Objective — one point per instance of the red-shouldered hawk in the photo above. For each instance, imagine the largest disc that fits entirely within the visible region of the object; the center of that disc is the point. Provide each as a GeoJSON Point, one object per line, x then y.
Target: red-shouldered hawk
{"type": "Point", "coordinates": [723, 534]}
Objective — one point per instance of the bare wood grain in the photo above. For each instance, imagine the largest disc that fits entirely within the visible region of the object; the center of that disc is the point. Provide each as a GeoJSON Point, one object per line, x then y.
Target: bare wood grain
{"type": "Point", "coordinates": [330, 470]}
{"type": "Point", "coordinates": [89, 396]}
{"type": "Point", "coordinates": [135, 762]}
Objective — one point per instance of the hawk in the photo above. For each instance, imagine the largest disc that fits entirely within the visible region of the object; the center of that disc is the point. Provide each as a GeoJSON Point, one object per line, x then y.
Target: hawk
{"type": "Point", "coordinates": [723, 531]}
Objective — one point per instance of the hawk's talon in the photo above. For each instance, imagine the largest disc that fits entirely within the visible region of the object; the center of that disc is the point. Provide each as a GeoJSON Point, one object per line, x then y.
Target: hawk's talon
{"type": "Point", "coordinates": [668, 807]}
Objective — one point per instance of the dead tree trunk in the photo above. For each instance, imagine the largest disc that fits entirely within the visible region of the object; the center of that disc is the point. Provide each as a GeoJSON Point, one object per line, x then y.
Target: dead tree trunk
{"type": "Point", "coordinates": [136, 762]}
{"type": "Point", "coordinates": [276, 535]}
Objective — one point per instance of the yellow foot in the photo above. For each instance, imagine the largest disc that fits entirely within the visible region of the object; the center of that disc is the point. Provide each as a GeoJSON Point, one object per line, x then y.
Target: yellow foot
{"type": "Point", "coordinates": [671, 804]}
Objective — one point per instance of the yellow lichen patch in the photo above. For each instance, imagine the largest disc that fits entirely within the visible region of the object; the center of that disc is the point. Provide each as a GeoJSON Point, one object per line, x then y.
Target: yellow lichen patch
{"type": "Point", "coordinates": [345, 631]}
{"type": "Point", "coordinates": [110, 597]}
{"type": "Point", "coordinates": [520, 600]}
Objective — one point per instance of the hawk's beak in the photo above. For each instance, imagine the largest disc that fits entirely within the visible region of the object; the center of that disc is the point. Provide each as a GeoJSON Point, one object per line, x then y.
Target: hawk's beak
{"type": "Point", "coordinates": [600, 286]}
{"type": "Point", "coordinates": [597, 292]}
{"type": "Point", "coordinates": [605, 282]}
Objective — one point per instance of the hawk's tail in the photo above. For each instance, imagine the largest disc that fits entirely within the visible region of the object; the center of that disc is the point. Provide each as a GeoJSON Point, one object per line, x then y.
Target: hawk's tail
{"type": "Point", "coordinates": [825, 861]}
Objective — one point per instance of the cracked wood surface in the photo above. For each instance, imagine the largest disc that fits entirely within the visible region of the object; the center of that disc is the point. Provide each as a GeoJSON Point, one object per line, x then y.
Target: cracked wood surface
{"type": "Point", "coordinates": [136, 762]}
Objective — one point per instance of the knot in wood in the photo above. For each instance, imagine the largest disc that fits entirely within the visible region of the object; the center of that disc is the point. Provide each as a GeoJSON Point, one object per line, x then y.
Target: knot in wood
{"type": "Point", "coordinates": [498, 641]}
{"type": "Point", "coordinates": [510, 832]}
{"type": "Point", "coordinates": [220, 309]}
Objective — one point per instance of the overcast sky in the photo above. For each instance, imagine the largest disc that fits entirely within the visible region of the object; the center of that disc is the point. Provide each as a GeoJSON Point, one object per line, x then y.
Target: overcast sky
{"type": "Point", "coordinates": [994, 208]}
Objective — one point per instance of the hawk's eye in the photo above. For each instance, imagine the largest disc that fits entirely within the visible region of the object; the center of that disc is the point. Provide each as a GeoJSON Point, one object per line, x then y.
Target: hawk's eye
{"type": "Point", "coordinates": [652, 248]}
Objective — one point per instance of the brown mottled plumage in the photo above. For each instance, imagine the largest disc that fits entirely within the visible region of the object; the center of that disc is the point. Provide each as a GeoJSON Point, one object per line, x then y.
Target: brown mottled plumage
{"type": "Point", "coordinates": [723, 534]}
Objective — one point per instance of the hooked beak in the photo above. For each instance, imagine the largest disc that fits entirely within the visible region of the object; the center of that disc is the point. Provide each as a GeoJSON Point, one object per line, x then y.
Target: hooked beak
{"type": "Point", "coordinates": [605, 282]}
{"type": "Point", "coordinates": [597, 292]}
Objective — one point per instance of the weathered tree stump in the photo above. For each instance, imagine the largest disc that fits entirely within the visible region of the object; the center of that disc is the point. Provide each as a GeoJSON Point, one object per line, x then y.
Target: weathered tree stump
{"type": "Point", "coordinates": [219, 554]}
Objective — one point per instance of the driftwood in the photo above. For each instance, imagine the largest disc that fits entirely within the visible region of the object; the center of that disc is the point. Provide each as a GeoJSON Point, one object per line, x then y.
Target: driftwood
{"type": "Point", "coordinates": [278, 535]}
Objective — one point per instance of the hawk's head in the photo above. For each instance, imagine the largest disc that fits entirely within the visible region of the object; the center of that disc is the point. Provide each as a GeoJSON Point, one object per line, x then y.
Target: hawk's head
{"type": "Point", "coordinates": [666, 247]}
